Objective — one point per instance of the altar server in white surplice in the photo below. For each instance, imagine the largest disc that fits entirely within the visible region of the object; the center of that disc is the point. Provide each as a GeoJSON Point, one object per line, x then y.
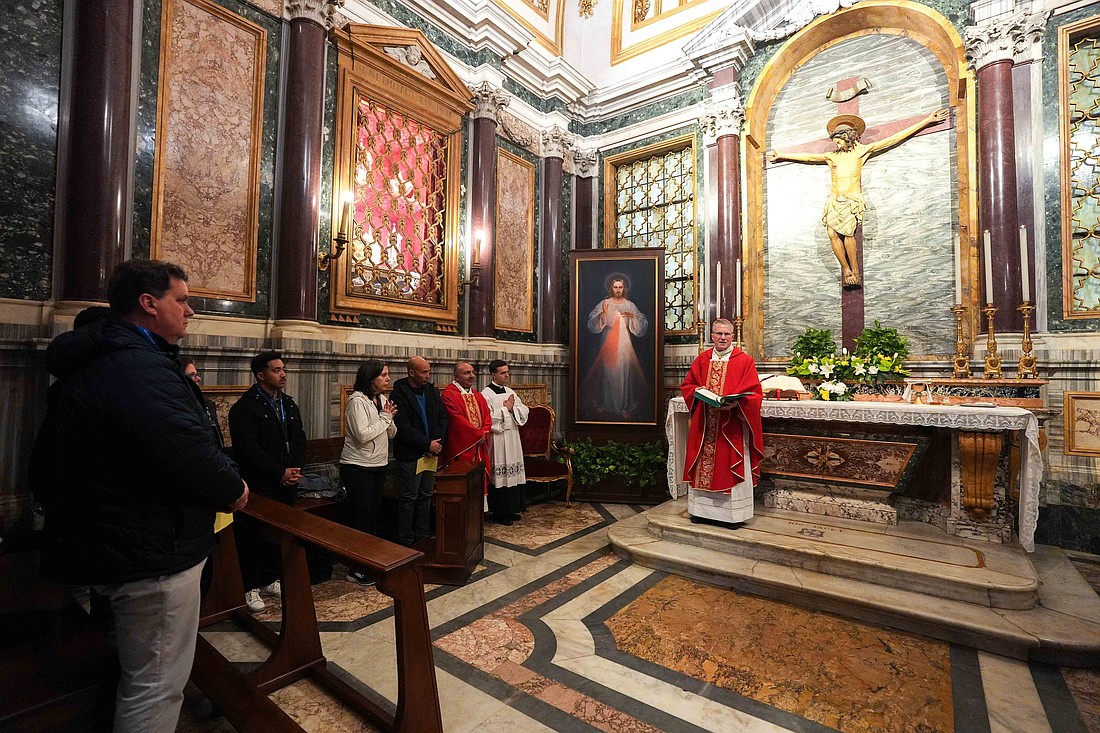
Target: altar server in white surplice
{"type": "Point", "coordinates": [509, 412]}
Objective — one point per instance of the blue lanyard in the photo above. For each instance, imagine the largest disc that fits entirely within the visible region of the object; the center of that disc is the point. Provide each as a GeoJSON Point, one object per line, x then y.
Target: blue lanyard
{"type": "Point", "coordinates": [148, 337]}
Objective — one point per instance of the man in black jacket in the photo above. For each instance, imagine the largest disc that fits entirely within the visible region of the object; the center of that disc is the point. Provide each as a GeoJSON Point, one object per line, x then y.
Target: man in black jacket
{"type": "Point", "coordinates": [421, 421]}
{"type": "Point", "coordinates": [269, 444]}
{"type": "Point", "coordinates": [131, 475]}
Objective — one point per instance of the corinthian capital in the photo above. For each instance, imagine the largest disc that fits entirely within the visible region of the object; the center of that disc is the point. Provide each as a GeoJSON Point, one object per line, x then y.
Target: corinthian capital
{"type": "Point", "coordinates": [555, 141]}
{"type": "Point", "coordinates": [723, 115]}
{"type": "Point", "coordinates": [584, 162]}
{"type": "Point", "coordinates": [488, 101]}
{"type": "Point", "coordinates": [1004, 38]}
{"type": "Point", "coordinates": [319, 11]}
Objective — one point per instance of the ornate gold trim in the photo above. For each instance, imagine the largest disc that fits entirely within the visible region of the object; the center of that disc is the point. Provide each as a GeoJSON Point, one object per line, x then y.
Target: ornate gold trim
{"type": "Point", "coordinates": [365, 70]}
{"type": "Point", "coordinates": [620, 54]}
{"type": "Point", "coordinates": [499, 270]}
{"type": "Point", "coordinates": [869, 17]}
{"type": "Point", "coordinates": [1064, 33]}
{"type": "Point", "coordinates": [532, 394]}
{"type": "Point", "coordinates": [683, 5]}
{"type": "Point", "coordinates": [223, 396]}
{"type": "Point", "coordinates": [610, 213]}
{"type": "Point", "coordinates": [248, 294]}
{"type": "Point", "coordinates": [552, 44]}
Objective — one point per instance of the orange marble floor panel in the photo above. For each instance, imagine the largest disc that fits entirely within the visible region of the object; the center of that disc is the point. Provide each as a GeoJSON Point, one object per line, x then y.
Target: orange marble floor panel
{"type": "Point", "coordinates": [1084, 685]}
{"type": "Point", "coordinates": [850, 676]}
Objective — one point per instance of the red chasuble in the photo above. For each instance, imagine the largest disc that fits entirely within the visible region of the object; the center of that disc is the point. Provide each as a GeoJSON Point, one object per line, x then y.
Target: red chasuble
{"type": "Point", "coordinates": [715, 441]}
{"type": "Point", "coordinates": [469, 423]}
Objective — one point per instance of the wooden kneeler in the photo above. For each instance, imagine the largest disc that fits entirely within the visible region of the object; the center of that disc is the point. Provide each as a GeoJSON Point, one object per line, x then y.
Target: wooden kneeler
{"type": "Point", "coordinates": [296, 649]}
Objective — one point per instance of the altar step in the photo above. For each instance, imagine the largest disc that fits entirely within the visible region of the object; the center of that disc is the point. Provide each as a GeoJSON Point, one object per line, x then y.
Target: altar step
{"type": "Point", "coordinates": [914, 577]}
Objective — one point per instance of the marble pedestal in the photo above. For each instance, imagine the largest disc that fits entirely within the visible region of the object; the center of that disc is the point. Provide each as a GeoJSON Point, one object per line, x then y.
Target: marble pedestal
{"type": "Point", "coordinates": [845, 502]}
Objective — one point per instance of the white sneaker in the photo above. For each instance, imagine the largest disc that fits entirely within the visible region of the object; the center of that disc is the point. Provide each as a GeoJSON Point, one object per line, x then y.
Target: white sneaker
{"type": "Point", "coordinates": [275, 589]}
{"type": "Point", "coordinates": [253, 601]}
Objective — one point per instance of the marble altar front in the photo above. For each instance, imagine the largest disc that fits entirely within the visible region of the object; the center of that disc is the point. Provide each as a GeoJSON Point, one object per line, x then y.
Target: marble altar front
{"type": "Point", "coordinates": [976, 501]}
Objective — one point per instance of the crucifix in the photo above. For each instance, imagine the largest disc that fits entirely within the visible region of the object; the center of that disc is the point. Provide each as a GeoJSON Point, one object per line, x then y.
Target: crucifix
{"type": "Point", "coordinates": [844, 206]}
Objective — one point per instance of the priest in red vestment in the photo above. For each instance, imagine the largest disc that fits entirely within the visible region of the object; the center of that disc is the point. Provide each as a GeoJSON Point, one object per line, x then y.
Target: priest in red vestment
{"type": "Point", "coordinates": [469, 420]}
{"type": "Point", "coordinates": [724, 445]}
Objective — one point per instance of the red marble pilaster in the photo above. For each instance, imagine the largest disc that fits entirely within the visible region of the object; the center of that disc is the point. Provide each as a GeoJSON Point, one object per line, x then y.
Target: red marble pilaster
{"type": "Point", "coordinates": [483, 216]}
{"type": "Point", "coordinates": [584, 234]}
{"type": "Point", "coordinates": [300, 182]}
{"type": "Point", "coordinates": [728, 248]}
{"type": "Point", "coordinates": [551, 252]}
{"type": "Point", "coordinates": [95, 191]}
{"type": "Point", "coordinates": [997, 191]}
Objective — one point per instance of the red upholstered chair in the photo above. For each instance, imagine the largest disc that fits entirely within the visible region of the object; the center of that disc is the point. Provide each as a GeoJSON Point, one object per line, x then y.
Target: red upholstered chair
{"type": "Point", "coordinates": [538, 446]}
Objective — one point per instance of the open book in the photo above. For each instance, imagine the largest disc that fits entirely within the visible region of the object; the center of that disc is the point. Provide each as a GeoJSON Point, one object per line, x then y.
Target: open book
{"type": "Point", "coordinates": [707, 397]}
{"type": "Point", "coordinates": [774, 382]}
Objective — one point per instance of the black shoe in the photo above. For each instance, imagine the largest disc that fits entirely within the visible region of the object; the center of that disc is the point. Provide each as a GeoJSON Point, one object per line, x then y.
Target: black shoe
{"type": "Point", "coordinates": [355, 576]}
{"type": "Point", "coordinates": [514, 517]}
{"type": "Point", "coordinates": [507, 522]}
{"type": "Point", "coordinates": [697, 520]}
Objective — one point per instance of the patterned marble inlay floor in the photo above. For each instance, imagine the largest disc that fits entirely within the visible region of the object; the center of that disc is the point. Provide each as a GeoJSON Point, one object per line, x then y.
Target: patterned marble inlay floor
{"type": "Point", "coordinates": [568, 637]}
{"type": "Point", "coordinates": [545, 524]}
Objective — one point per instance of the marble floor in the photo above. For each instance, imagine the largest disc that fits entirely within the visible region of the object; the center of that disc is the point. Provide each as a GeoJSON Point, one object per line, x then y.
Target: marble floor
{"type": "Point", "coordinates": [555, 632]}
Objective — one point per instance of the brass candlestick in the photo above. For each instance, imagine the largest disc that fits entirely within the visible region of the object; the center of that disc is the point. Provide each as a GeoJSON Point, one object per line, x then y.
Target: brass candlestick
{"type": "Point", "coordinates": [961, 359]}
{"type": "Point", "coordinates": [1026, 365]}
{"type": "Point", "coordinates": [737, 323]}
{"type": "Point", "coordinates": [701, 328]}
{"type": "Point", "coordinates": [992, 358]}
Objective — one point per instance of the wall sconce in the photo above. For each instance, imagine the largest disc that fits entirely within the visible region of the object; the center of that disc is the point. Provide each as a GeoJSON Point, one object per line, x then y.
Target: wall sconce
{"type": "Point", "coordinates": [474, 269]}
{"type": "Point", "coordinates": [343, 235]}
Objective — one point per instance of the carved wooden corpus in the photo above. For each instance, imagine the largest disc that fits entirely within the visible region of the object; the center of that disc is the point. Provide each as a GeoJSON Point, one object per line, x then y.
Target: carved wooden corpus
{"type": "Point", "coordinates": [980, 453]}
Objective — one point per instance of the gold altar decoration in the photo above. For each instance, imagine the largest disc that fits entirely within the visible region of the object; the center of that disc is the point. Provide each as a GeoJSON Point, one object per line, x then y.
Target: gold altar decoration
{"type": "Point", "coordinates": [961, 360]}
{"type": "Point", "coordinates": [992, 356]}
{"type": "Point", "coordinates": [1026, 366]}
{"type": "Point", "coordinates": [979, 453]}
{"type": "Point", "coordinates": [399, 151]}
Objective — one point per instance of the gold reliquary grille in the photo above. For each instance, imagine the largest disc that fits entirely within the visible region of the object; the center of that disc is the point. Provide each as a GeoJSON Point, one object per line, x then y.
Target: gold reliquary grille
{"type": "Point", "coordinates": [1084, 168]}
{"type": "Point", "coordinates": [655, 207]}
{"type": "Point", "coordinates": [400, 178]}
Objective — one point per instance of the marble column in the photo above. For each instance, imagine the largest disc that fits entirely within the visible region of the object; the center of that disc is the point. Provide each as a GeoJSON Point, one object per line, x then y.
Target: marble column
{"type": "Point", "coordinates": [554, 144]}
{"type": "Point", "coordinates": [488, 102]}
{"type": "Point", "coordinates": [722, 122]}
{"type": "Point", "coordinates": [585, 163]}
{"type": "Point", "coordinates": [300, 175]}
{"type": "Point", "coordinates": [991, 48]}
{"type": "Point", "coordinates": [95, 190]}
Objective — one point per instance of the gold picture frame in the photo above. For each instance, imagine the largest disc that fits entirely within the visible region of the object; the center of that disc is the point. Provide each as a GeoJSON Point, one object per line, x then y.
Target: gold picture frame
{"type": "Point", "coordinates": [532, 394]}
{"type": "Point", "coordinates": [1081, 409]}
{"type": "Point", "coordinates": [224, 396]}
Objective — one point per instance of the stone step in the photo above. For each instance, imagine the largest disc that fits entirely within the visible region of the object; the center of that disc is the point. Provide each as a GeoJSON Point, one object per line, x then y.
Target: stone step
{"type": "Point", "coordinates": [1062, 628]}
{"type": "Point", "coordinates": [911, 556]}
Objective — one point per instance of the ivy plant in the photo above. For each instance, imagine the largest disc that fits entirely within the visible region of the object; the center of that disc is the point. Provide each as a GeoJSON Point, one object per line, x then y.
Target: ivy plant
{"type": "Point", "coordinates": [638, 464]}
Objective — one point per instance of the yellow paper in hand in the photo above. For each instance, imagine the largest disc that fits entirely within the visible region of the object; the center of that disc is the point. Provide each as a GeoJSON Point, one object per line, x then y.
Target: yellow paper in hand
{"type": "Point", "coordinates": [222, 520]}
{"type": "Point", "coordinates": [427, 463]}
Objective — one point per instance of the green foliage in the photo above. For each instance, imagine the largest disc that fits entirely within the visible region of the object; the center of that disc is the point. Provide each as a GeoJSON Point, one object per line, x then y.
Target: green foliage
{"type": "Point", "coordinates": [638, 464]}
{"type": "Point", "coordinates": [814, 344]}
{"type": "Point", "coordinates": [882, 340]}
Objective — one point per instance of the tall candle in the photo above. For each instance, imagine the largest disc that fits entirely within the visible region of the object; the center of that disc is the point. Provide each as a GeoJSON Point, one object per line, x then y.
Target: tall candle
{"type": "Point", "coordinates": [345, 217]}
{"type": "Point", "coordinates": [738, 309]}
{"type": "Point", "coordinates": [1025, 279]}
{"type": "Point", "coordinates": [958, 271]}
{"type": "Point", "coordinates": [988, 269]}
{"type": "Point", "coordinates": [718, 291]}
{"type": "Point", "coordinates": [476, 261]}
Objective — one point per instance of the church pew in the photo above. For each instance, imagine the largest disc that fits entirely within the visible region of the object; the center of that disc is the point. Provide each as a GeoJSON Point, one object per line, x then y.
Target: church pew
{"type": "Point", "coordinates": [296, 648]}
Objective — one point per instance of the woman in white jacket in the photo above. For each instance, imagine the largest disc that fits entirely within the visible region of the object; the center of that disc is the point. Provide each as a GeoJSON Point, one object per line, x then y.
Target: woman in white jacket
{"type": "Point", "coordinates": [368, 429]}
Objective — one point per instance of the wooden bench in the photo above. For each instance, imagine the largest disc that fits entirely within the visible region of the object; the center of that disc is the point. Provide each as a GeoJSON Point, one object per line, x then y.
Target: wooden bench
{"type": "Point", "coordinates": [296, 649]}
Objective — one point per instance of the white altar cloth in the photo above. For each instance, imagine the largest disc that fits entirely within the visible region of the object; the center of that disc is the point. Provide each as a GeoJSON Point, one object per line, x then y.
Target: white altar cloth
{"type": "Point", "coordinates": [893, 413]}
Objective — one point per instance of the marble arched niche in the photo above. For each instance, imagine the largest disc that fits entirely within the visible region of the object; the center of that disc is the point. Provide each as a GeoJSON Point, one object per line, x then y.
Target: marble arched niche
{"type": "Point", "coordinates": [916, 192]}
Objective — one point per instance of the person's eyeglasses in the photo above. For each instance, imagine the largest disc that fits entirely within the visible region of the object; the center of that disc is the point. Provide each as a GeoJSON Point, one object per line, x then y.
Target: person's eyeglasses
{"type": "Point", "coordinates": [195, 377]}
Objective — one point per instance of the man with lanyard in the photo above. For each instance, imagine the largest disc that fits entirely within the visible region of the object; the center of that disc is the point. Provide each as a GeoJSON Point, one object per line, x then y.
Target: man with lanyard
{"type": "Point", "coordinates": [725, 444]}
{"type": "Point", "coordinates": [269, 445]}
{"type": "Point", "coordinates": [421, 426]}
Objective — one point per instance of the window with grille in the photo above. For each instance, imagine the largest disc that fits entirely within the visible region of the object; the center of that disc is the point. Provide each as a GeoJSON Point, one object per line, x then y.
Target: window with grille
{"type": "Point", "coordinates": [1080, 88]}
{"type": "Point", "coordinates": [654, 206]}
{"type": "Point", "coordinates": [396, 250]}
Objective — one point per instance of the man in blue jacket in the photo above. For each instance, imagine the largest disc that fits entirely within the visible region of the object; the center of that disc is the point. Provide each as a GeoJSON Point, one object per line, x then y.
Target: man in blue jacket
{"type": "Point", "coordinates": [131, 474]}
{"type": "Point", "coordinates": [421, 421]}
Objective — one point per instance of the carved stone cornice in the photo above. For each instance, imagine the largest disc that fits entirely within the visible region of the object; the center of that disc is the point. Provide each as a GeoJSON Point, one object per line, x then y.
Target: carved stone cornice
{"type": "Point", "coordinates": [1004, 38]}
{"type": "Point", "coordinates": [584, 163]}
{"type": "Point", "coordinates": [319, 11]}
{"type": "Point", "coordinates": [724, 114]}
{"type": "Point", "coordinates": [555, 141]}
{"type": "Point", "coordinates": [488, 101]}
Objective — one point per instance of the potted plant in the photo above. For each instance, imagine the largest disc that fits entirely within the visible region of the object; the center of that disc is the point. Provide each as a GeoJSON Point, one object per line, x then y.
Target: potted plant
{"type": "Point", "coordinates": [633, 465]}
{"type": "Point", "coordinates": [885, 350]}
{"type": "Point", "coordinates": [872, 371]}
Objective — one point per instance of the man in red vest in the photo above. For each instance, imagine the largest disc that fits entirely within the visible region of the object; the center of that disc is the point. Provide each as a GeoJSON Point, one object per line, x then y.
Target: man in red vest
{"type": "Point", "coordinates": [725, 444]}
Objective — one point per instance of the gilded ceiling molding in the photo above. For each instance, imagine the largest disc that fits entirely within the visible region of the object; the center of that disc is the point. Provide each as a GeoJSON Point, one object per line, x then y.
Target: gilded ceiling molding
{"type": "Point", "coordinates": [586, 8]}
{"type": "Point", "coordinates": [585, 163]}
{"type": "Point", "coordinates": [488, 101]}
{"type": "Point", "coordinates": [556, 141]}
{"type": "Point", "coordinates": [1003, 39]}
{"type": "Point", "coordinates": [319, 11]}
{"type": "Point", "coordinates": [724, 113]}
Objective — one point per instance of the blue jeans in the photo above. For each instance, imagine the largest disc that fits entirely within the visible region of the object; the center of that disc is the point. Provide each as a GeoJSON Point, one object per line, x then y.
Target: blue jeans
{"type": "Point", "coordinates": [414, 508]}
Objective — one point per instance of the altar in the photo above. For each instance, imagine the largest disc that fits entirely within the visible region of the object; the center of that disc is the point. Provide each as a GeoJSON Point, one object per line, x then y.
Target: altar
{"type": "Point", "coordinates": [968, 470]}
